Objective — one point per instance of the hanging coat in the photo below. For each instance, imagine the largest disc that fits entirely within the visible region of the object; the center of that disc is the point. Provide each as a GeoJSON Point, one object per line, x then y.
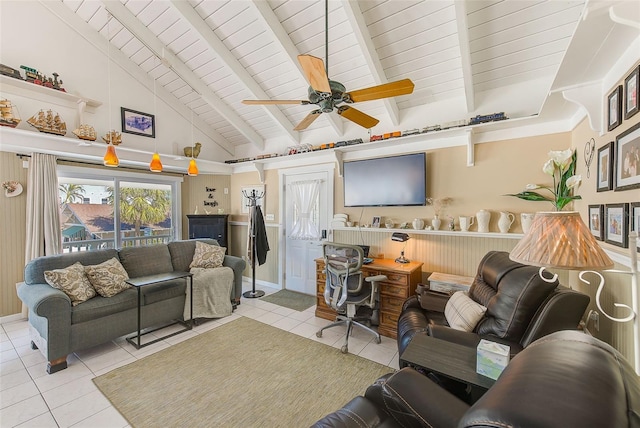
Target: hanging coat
{"type": "Point", "coordinates": [257, 229]}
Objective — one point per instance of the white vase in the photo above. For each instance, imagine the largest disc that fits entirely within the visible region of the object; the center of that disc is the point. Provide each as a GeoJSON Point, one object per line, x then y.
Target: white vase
{"type": "Point", "coordinates": [483, 217]}
{"type": "Point", "coordinates": [418, 223]}
{"type": "Point", "coordinates": [526, 219]}
{"type": "Point", "coordinates": [436, 222]}
{"type": "Point", "coordinates": [505, 221]}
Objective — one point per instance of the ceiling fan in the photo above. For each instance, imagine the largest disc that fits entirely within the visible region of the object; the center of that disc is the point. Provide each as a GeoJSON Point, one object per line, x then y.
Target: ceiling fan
{"type": "Point", "coordinates": [329, 95]}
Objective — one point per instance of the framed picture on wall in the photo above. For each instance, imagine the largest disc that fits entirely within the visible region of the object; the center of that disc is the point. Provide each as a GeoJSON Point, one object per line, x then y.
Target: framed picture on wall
{"type": "Point", "coordinates": [596, 221]}
{"type": "Point", "coordinates": [627, 154]}
{"type": "Point", "coordinates": [631, 91]}
{"type": "Point", "coordinates": [614, 103]}
{"type": "Point", "coordinates": [616, 231]}
{"type": "Point", "coordinates": [604, 181]}
{"type": "Point", "coordinates": [138, 123]}
{"type": "Point", "coordinates": [634, 220]}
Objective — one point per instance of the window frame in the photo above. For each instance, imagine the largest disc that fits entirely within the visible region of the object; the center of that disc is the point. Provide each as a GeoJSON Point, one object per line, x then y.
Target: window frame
{"type": "Point", "coordinates": [119, 175]}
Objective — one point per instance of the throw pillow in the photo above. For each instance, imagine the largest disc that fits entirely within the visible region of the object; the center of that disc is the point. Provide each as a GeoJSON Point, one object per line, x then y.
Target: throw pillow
{"type": "Point", "coordinates": [72, 281]}
{"type": "Point", "coordinates": [108, 278]}
{"type": "Point", "coordinates": [462, 313]}
{"type": "Point", "coordinates": [207, 256]}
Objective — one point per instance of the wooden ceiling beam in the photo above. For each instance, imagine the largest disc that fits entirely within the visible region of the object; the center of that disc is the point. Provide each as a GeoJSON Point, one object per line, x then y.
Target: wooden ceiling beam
{"type": "Point", "coordinates": [206, 33]}
{"type": "Point", "coordinates": [361, 31]}
{"type": "Point", "coordinates": [147, 38]}
{"type": "Point", "coordinates": [465, 53]}
{"type": "Point", "coordinates": [92, 36]}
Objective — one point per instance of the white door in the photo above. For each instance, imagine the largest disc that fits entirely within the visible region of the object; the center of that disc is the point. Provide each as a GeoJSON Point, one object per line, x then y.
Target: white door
{"type": "Point", "coordinates": [300, 272]}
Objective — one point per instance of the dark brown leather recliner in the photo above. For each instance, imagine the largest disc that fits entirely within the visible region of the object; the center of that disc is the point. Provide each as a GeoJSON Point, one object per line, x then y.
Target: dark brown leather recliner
{"type": "Point", "coordinates": [521, 307]}
{"type": "Point", "coordinates": [565, 379]}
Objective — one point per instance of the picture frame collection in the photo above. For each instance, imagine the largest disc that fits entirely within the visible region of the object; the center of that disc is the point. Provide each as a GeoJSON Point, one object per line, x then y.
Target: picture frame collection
{"type": "Point", "coordinates": [618, 168]}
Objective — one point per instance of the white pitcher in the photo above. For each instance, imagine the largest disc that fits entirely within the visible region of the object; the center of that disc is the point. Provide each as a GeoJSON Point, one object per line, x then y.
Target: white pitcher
{"type": "Point", "coordinates": [418, 223]}
{"type": "Point", "coordinates": [465, 223]}
{"type": "Point", "coordinates": [526, 219]}
{"type": "Point", "coordinates": [505, 221]}
{"type": "Point", "coordinates": [483, 217]}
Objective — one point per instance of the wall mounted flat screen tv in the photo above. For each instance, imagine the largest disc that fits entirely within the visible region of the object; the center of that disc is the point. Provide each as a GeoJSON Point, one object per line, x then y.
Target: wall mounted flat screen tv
{"type": "Point", "coordinates": [383, 182]}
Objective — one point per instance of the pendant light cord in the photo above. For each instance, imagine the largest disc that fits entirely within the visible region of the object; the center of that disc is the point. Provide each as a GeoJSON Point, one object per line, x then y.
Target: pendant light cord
{"type": "Point", "coordinates": [326, 36]}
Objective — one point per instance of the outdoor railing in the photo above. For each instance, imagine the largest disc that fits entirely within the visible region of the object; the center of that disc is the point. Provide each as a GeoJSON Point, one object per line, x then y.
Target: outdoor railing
{"type": "Point", "coordinates": [97, 244]}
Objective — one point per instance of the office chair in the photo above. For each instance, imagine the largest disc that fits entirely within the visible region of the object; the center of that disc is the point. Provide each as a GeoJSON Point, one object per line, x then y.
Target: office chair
{"type": "Point", "coordinates": [345, 290]}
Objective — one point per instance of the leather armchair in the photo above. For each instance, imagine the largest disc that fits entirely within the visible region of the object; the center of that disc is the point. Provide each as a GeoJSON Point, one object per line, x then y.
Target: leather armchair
{"type": "Point", "coordinates": [521, 307]}
{"type": "Point", "coordinates": [566, 379]}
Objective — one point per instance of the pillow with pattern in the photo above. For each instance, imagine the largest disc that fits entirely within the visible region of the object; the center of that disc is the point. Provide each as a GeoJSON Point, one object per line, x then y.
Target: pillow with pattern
{"type": "Point", "coordinates": [207, 256]}
{"type": "Point", "coordinates": [108, 278]}
{"type": "Point", "coordinates": [463, 313]}
{"type": "Point", "coordinates": [72, 281]}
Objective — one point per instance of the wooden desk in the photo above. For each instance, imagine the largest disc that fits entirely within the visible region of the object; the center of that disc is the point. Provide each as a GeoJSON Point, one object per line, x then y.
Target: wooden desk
{"type": "Point", "coordinates": [401, 283]}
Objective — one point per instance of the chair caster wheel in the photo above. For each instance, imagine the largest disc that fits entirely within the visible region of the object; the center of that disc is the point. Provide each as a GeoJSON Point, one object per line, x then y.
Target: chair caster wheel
{"type": "Point", "coordinates": [378, 340]}
{"type": "Point", "coordinates": [319, 334]}
{"type": "Point", "coordinates": [344, 349]}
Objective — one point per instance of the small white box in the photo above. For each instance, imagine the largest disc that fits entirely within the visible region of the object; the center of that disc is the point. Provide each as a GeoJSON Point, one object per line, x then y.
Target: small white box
{"type": "Point", "coordinates": [492, 358]}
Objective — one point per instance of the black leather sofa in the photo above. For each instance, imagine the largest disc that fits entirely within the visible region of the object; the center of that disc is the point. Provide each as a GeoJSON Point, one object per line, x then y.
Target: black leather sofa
{"type": "Point", "coordinates": [521, 307]}
{"type": "Point", "coordinates": [564, 380]}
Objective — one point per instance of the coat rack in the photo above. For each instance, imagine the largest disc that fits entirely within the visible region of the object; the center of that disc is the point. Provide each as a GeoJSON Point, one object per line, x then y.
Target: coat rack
{"type": "Point", "coordinates": [253, 198]}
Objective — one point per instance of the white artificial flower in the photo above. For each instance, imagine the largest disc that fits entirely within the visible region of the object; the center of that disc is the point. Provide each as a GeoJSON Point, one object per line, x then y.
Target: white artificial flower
{"type": "Point", "coordinates": [549, 167]}
{"type": "Point", "coordinates": [561, 158]}
{"type": "Point", "coordinates": [531, 187]}
{"type": "Point", "coordinates": [573, 181]}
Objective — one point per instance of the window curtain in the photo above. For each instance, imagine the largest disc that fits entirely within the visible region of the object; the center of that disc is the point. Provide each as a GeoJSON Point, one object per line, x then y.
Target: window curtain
{"type": "Point", "coordinates": [43, 210]}
{"type": "Point", "coordinates": [305, 195]}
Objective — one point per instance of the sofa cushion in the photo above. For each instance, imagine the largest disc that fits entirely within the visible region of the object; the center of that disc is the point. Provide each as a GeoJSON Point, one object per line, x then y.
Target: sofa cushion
{"type": "Point", "coordinates": [143, 261]}
{"type": "Point", "coordinates": [34, 271]}
{"type": "Point", "coordinates": [100, 307]}
{"type": "Point", "coordinates": [108, 278]}
{"type": "Point", "coordinates": [462, 313]}
{"type": "Point", "coordinates": [207, 256]}
{"type": "Point", "coordinates": [73, 281]}
{"type": "Point", "coordinates": [182, 252]}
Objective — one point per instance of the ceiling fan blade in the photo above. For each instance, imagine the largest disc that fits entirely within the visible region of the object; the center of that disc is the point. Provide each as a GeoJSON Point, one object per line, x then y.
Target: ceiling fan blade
{"type": "Point", "coordinates": [308, 120]}
{"type": "Point", "coordinates": [358, 117]}
{"type": "Point", "coordinates": [263, 102]}
{"type": "Point", "coordinates": [393, 89]}
{"type": "Point", "coordinates": [315, 73]}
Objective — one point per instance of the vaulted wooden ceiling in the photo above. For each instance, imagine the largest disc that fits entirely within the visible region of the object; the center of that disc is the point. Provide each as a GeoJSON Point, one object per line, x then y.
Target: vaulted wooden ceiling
{"type": "Point", "coordinates": [211, 55]}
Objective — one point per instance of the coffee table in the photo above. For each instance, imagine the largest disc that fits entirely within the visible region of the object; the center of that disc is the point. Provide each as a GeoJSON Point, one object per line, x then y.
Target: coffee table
{"type": "Point", "coordinates": [155, 279]}
{"type": "Point", "coordinates": [448, 359]}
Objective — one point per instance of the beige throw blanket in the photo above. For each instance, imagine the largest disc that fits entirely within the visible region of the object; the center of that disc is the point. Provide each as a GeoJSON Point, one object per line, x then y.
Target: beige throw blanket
{"type": "Point", "coordinates": [211, 293]}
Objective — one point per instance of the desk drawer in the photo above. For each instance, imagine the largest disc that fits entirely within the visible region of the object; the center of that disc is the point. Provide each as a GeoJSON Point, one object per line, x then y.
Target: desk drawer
{"type": "Point", "coordinates": [391, 304]}
{"type": "Point", "coordinates": [398, 291]}
{"type": "Point", "coordinates": [389, 319]}
{"type": "Point", "coordinates": [395, 278]}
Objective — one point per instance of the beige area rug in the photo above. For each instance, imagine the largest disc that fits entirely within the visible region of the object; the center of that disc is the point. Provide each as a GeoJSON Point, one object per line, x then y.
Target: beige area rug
{"type": "Point", "coordinates": [291, 299]}
{"type": "Point", "coordinates": [242, 374]}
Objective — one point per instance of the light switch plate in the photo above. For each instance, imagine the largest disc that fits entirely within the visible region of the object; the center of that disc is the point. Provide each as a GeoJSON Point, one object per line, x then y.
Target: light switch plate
{"type": "Point", "coordinates": [226, 190]}
{"type": "Point", "coordinates": [270, 217]}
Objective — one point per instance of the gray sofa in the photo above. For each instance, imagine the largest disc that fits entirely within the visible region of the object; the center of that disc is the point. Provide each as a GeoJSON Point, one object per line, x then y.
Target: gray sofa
{"type": "Point", "coordinates": [58, 328]}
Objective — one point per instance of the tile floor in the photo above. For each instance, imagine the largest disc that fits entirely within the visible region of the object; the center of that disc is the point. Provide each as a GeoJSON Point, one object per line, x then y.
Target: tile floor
{"type": "Point", "coordinates": [31, 398]}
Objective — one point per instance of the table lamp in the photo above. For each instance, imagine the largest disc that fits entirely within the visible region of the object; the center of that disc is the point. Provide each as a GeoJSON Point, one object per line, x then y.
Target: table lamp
{"type": "Point", "coordinates": [400, 237]}
{"type": "Point", "coordinates": [562, 240]}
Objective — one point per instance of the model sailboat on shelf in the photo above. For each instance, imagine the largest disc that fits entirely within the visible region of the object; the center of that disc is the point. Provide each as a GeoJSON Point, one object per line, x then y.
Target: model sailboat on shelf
{"type": "Point", "coordinates": [6, 114]}
{"type": "Point", "coordinates": [85, 132]}
{"type": "Point", "coordinates": [113, 137]}
{"type": "Point", "coordinates": [49, 122]}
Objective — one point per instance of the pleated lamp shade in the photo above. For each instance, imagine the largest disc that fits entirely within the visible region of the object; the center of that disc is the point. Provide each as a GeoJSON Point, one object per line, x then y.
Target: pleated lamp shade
{"type": "Point", "coordinates": [155, 165]}
{"type": "Point", "coordinates": [560, 240]}
{"type": "Point", "coordinates": [110, 158]}
{"type": "Point", "coordinates": [193, 168]}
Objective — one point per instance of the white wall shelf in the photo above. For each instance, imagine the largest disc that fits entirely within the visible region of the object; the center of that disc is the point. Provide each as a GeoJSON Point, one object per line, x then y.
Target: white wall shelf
{"type": "Point", "coordinates": [470, 234]}
{"type": "Point", "coordinates": [27, 89]}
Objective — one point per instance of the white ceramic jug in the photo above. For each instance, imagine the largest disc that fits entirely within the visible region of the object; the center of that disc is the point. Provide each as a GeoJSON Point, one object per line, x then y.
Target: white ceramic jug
{"type": "Point", "coordinates": [505, 221]}
{"type": "Point", "coordinates": [526, 219]}
{"type": "Point", "coordinates": [483, 217]}
{"type": "Point", "coordinates": [436, 223]}
{"type": "Point", "coordinates": [465, 223]}
{"type": "Point", "coordinates": [418, 223]}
